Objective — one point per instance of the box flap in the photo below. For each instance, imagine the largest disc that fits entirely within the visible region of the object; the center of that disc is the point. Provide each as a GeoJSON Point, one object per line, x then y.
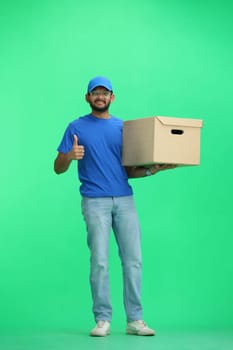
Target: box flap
{"type": "Point", "coordinates": [196, 123]}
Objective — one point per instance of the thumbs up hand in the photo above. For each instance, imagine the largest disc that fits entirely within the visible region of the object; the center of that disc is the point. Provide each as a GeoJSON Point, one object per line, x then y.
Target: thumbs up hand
{"type": "Point", "coordinates": [77, 151]}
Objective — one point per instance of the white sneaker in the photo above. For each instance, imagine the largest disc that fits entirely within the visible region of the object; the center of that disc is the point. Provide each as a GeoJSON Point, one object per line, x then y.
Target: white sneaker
{"type": "Point", "coordinates": [101, 329]}
{"type": "Point", "coordinates": [139, 328]}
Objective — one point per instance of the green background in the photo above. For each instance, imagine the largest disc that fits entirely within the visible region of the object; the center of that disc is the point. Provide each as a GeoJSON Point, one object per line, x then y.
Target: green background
{"type": "Point", "coordinates": [170, 58]}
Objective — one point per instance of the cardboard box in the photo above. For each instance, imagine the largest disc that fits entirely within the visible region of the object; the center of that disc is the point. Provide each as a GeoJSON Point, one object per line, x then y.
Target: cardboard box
{"type": "Point", "coordinates": [161, 140]}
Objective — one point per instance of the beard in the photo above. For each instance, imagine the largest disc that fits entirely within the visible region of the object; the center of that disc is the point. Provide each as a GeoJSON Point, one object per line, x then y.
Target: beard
{"type": "Point", "coordinates": [100, 109]}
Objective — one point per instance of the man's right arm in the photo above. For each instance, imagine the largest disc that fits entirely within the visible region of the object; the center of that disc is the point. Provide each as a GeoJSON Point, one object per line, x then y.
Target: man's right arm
{"type": "Point", "coordinates": [63, 160]}
{"type": "Point", "coordinates": [62, 163]}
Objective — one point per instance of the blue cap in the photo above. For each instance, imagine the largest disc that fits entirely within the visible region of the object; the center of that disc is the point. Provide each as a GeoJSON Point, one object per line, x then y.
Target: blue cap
{"type": "Point", "coordinates": [99, 81]}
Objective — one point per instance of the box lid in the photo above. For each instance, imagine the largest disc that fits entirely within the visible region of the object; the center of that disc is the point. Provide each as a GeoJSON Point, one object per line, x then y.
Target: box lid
{"type": "Point", "coordinates": [196, 123]}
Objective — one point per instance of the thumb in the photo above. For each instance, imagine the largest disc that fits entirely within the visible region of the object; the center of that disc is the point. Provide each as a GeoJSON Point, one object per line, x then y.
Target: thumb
{"type": "Point", "coordinates": [75, 143]}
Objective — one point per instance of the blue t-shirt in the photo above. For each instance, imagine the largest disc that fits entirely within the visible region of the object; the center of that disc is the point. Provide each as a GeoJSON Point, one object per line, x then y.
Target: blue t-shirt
{"type": "Point", "coordinates": [100, 171]}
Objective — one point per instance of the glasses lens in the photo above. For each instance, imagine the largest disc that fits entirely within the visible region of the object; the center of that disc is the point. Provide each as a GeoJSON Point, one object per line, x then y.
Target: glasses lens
{"type": "Point", "coordinates": [98, 93]}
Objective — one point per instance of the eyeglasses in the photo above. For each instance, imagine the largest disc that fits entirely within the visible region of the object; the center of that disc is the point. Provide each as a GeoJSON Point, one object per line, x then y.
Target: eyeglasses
{"type": "Point", "coordinates": [98, 93]}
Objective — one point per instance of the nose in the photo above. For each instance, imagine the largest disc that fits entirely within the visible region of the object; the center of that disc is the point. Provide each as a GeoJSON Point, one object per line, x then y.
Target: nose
{"type": "Point", "coordinates": [100, 93]}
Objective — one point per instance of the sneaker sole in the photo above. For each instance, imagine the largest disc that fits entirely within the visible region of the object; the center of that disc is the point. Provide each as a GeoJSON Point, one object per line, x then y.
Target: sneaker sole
{"type": "Point", "coordinates": [100, 335]}
{"type": "Point", "coordinates": [129, 332]}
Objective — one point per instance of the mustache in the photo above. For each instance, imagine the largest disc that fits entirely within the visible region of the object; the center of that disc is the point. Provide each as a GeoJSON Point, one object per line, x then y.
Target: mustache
{"type": "Point", "coordinates": [99, 100]}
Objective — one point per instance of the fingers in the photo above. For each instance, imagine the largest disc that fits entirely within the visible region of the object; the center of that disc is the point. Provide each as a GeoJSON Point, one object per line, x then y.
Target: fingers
{"type": "Point", "coordinates": [168, 166]}
{"type": "Point", "coordinates": [77, 151]}
{"type": "Point", "coordinates": [159, 167]}
{"type": "Point", "coordinates": [75, 143]}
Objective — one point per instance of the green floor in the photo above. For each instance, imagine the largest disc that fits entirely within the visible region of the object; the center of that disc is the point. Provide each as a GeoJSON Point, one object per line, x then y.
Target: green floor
{"type": "Point", "coordinates": [164, 340]}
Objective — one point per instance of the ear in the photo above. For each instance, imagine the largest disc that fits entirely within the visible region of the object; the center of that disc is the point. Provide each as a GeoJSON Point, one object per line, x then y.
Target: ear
{"type": "Point", "coordinates": [112, 97]}
{"type": "Point", "coordinates": [87, 98]}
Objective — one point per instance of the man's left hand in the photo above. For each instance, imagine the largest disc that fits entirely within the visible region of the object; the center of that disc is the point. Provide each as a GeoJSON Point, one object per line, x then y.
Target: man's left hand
{"type": "Point", "coordinates": [155, 168]}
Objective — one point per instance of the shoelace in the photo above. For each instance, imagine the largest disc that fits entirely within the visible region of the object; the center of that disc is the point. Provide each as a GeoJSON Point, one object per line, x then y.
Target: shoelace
{"type": "Point", "coordinates": [100, 324]}
{"type": "Point", "coordinates": [142, 323]}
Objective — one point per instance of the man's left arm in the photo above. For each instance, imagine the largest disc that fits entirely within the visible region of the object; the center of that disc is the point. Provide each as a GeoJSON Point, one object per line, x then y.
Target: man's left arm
{"type": "Point", "coordinates": [141, 171]}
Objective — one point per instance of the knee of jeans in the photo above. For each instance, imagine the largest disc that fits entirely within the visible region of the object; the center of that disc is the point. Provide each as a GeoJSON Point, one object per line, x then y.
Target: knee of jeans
{"type": "Point", "coordinates": [132, 264]}
{"type": "Point", "coordinates": [99, 263]}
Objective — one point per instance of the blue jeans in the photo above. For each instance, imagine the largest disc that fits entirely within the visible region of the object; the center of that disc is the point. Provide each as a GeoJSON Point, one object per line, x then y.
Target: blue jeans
{"type": "Point", "coordinates": [101, 215]}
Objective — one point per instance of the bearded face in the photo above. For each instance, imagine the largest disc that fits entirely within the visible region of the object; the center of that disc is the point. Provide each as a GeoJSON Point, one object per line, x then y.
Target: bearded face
{"type": "Point", "coordinates": [99, 99]}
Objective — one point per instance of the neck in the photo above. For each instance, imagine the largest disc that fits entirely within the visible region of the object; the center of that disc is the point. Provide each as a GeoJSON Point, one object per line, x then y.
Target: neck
{"type": "Point", "coordinates": [101, 115]}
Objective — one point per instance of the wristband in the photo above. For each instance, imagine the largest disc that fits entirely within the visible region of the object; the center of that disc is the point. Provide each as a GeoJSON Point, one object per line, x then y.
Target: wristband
{"type": "Point", "coordinates": [148, 172]}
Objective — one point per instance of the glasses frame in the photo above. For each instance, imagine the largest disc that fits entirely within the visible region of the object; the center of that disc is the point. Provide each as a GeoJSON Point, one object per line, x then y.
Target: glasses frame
{"type": "Point", "coordinates": [98, 93]}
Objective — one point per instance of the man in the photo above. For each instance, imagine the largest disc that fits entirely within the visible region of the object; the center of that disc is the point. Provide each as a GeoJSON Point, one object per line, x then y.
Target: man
{"type": "Point", "coordinates": [95, 140]}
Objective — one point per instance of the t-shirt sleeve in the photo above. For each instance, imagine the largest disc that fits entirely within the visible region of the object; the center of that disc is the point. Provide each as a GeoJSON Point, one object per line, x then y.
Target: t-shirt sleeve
{"type": "Point", "coordinates": [67, 140]}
